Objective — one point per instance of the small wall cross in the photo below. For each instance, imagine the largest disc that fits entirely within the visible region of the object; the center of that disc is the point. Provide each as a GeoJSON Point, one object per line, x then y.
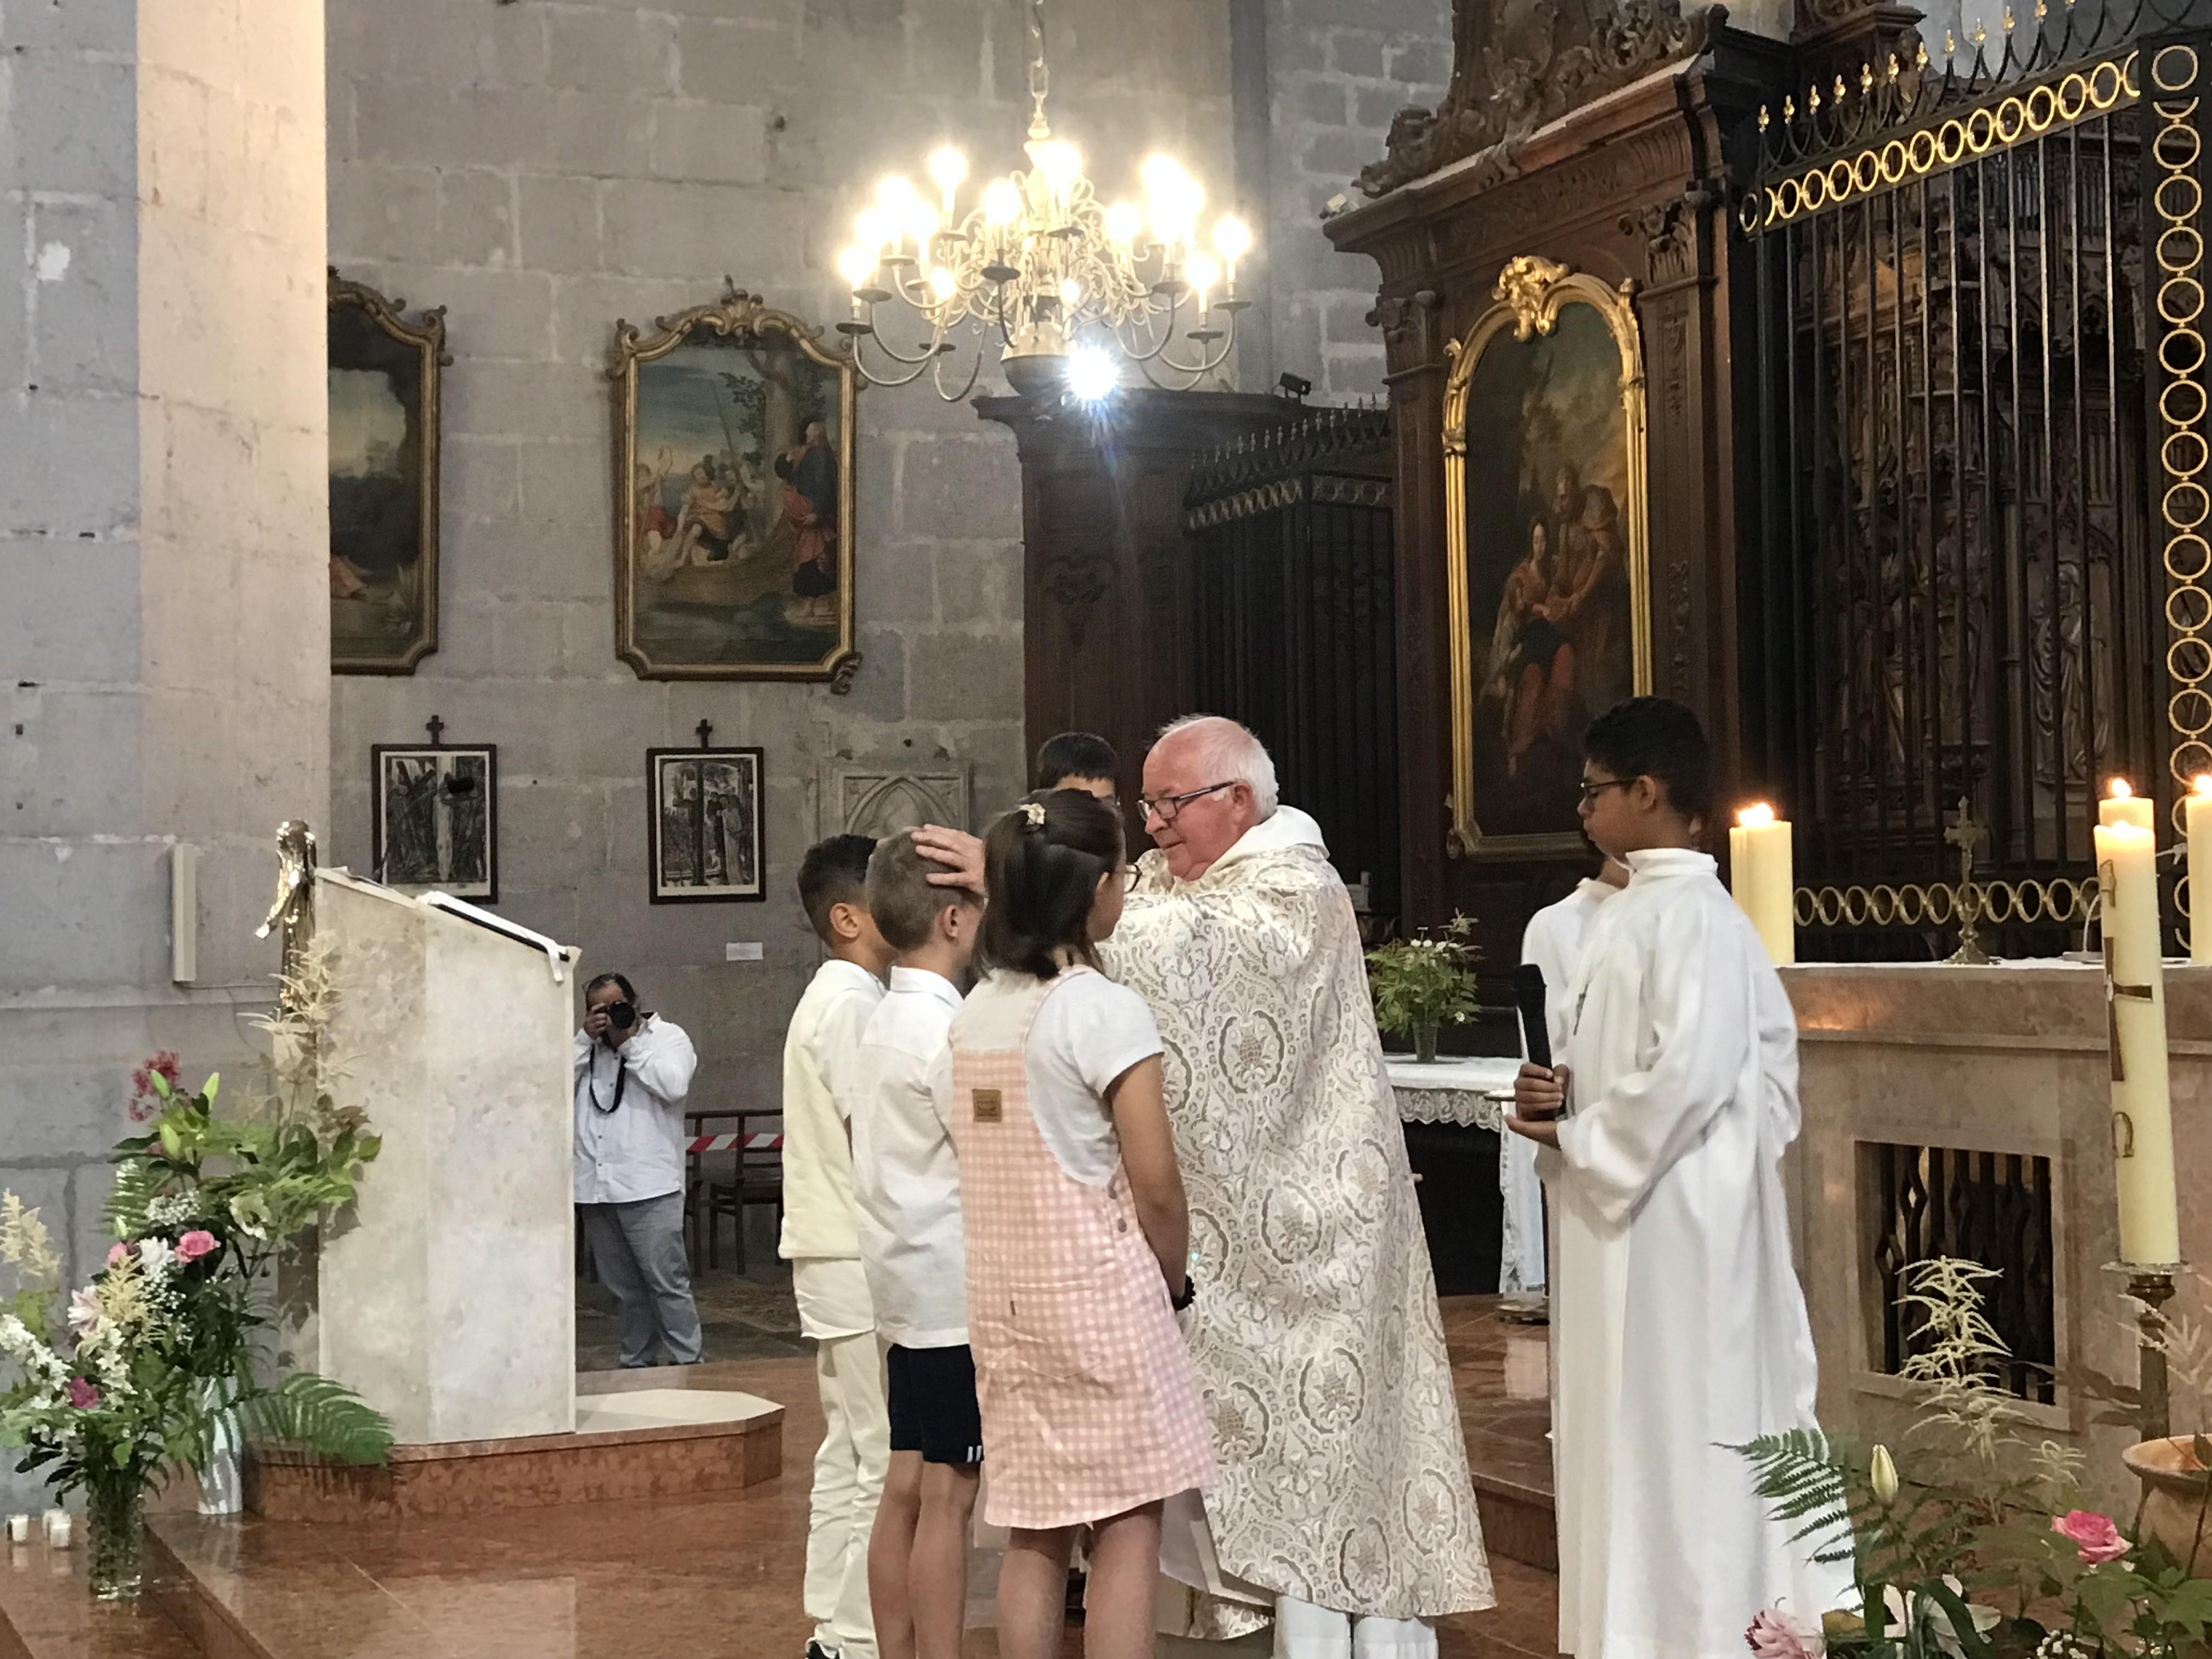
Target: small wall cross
{"type": "Point", "coordinates": [436, 728]}
{"type": "Point", "coordinates": [706, 730]}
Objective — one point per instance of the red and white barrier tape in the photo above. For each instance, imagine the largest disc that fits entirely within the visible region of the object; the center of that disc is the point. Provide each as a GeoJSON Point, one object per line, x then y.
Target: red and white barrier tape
{"type": "Point", "coordinates": [732, 1143]}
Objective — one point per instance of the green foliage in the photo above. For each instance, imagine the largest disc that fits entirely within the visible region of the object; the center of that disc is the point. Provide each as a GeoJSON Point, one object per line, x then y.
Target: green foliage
{"type": "Point", "coordinates": [314, 1412]}
{"type": "Point", "coordinates": [1427, 980]}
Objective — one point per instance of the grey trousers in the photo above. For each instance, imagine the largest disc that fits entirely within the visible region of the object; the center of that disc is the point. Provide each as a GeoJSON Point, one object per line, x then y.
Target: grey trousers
{"type": "Point", "coordinates": [637, 1250]}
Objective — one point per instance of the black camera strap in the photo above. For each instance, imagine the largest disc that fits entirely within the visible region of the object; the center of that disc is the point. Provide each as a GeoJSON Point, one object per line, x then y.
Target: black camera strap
{"type": "Point", "coordinates": [592, 1082]}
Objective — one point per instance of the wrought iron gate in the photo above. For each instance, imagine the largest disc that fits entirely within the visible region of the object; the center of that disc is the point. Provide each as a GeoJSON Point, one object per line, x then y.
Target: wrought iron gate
{"type": "Point", "coordinates": [1294, 630]}
{"type": "Point", "coordinates": [1975, 503]}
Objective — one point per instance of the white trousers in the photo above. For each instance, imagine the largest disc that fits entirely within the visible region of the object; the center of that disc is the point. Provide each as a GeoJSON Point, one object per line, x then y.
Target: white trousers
{"type": "Point", "coordinates": [1304, 1630]}
{"type": "Point", "coordinates": [849, 1483]}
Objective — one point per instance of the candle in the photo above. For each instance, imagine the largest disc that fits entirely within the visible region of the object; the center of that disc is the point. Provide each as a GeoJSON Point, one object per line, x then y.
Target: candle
{"type": "Point", "coordinates": [1762, 874]}
{"type": "Point", "coordinates": [58, 1529]}
{"type": "Point", "coordinates": [19, 1529]}
{"type": "Point", "coordinates": [2197, 812]}
{"type": "Point", "coordinates": [2142, 1123]}
{"type": "Point", "coordinates": [2123, 805]}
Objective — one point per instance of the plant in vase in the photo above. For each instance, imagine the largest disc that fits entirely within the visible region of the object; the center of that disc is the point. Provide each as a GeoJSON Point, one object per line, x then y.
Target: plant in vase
{"type": "Point", "coordinates": [1970, 1539]}
{"type": "Point", "coordinates": [1422, 984]}
{"type": "Point", "coordinates": [162, 1354]}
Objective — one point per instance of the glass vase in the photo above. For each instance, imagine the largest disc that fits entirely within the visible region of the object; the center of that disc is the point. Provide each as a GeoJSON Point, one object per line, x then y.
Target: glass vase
{"type": "Point", "coordinates": [115, 1511]}
{"type": "Point", "coordinates": [1424, 1043]}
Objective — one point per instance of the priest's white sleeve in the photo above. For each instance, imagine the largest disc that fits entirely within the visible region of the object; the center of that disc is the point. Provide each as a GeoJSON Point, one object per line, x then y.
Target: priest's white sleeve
{"type": "Point", "coordinates": [1697, 1005]}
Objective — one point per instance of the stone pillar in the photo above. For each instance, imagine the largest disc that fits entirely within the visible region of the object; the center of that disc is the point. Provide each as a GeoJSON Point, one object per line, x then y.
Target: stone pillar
{"type": "Point", "coordinates": [164, 652]}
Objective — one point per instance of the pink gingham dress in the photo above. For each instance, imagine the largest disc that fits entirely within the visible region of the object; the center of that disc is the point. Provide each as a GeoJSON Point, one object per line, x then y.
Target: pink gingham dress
{"type": "Point", "coordinates": [1091, 1404]}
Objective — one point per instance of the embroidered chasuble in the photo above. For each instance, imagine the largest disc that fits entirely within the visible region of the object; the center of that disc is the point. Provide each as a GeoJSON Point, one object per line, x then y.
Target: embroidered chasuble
{"type": "Point", "coordinates": [1343, 1479]}
{"type": "Point", "coordinates": [1679, 1321]}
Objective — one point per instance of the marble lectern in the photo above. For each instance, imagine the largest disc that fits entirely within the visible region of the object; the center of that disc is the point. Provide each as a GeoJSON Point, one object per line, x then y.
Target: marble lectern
{"type": "Point", "coordinates": [448, 1298]}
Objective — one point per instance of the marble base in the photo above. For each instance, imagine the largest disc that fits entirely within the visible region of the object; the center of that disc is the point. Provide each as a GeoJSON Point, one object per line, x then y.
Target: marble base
{"type": "Point", "coordinates": [629, 1446]}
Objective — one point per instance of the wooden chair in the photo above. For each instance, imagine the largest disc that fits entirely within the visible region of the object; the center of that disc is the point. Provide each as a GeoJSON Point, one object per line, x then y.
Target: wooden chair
{"type": "Point", "coordinates": [756, 1176]}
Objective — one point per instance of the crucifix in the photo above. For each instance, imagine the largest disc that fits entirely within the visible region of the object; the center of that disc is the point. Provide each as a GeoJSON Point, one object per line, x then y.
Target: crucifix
{"type": "Point", "coordinates": [1967, 836]}
{"type": "Point", "coordinates": [436, 728]}
{"type": "Point", "coordinates": [706, 730]}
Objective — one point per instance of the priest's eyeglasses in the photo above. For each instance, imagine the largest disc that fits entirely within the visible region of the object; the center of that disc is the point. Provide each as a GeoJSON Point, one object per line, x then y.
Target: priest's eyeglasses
{"type": "Point", "coordinates": [1168, 808]}
{"type": "Point", "coordinates": [1592, 788]}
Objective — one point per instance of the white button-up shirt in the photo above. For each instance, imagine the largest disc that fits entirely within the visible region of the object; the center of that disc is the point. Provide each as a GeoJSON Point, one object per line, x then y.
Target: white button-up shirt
{"type": "Point", "coordinates": [634, 1151]}
{"type": "Point", "coordinates": [905, 1170]}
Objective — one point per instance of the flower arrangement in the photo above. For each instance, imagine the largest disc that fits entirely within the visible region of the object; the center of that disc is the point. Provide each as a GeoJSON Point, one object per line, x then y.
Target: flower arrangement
{"type": "Point", "coordinates": [151, 1361]}
{"type": "Point", "coordinates": [1422, 983]}
{"type": "Point", "coordinates": [1970, 1540]}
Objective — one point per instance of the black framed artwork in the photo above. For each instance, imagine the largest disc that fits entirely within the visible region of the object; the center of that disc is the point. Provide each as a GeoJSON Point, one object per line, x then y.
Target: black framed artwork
{"type": "Point", "coordinates": [436, 814]}
{"type": "Point", "coordinates": [704, 826]}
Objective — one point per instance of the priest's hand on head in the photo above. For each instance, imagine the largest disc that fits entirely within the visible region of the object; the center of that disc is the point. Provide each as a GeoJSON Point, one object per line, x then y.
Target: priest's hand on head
{"type": "Point", "coordinates": [960, 852]}
{"type": "Point", "coordinates": [1540, 1096]}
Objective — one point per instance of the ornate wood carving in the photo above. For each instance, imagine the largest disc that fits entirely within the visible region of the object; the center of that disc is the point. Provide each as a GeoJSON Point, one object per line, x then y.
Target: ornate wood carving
{"type": "Point", "coordinates": [1518, 65]}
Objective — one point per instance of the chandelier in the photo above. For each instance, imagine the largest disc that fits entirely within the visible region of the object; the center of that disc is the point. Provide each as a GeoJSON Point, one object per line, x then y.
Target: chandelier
{"type": "Point", "coordinates": [1071, 287]}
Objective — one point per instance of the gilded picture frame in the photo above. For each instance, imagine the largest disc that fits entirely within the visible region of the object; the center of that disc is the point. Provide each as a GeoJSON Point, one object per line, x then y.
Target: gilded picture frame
{"type": "Point", "coordinates": [1547, 512]}
{"type": "Point", "coordinates": [734, 439]}
{"type": "Point", "coordinates": [384, 419]}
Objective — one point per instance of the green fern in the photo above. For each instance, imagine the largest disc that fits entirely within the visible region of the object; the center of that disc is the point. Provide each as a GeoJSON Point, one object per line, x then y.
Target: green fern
{"type": "Point", "coordinates": [322, 1416]}
{"type": "Point", "coordinates": [136, 1185]}
{"type": "Point", "coordinates": [1800, 1474]}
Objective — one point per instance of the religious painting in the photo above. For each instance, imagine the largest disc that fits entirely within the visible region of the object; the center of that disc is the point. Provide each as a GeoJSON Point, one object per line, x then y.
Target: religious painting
{"type": "Point", "coordinates": [383, 480]}
{"type": "Point", "coordinates": [1545, 515]}
{"type": "Point", "coordinates": [435, 812]}
{"type": "Point", "coordinates": [705, 824]}
{"type": "Point", "coordinates": [733, 554]}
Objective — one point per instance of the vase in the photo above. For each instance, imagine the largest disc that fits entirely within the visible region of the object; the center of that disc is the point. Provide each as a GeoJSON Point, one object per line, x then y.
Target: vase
{"type": "Point", "coordinates": [115, 1510]}
{"type": "Point", "coordinates": [2173, 1510]}
{"type": "Point", "coordinates": [1424, 1043]}
{"type": "Point", "coordinates": [220, 1492]}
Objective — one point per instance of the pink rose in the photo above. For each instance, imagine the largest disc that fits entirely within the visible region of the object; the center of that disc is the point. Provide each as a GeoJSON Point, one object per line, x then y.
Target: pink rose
{"type": "Point", "coordinates": [2097, 1538]}
{"type": "Point", "coordinates": [82, 1394]}
{"type": "Point", "coordinates": [196, 1243]}
{"type": "Point", "coordinates": [1774, 1635]}
{"type": "Point", "coordinates": [116, 1253]}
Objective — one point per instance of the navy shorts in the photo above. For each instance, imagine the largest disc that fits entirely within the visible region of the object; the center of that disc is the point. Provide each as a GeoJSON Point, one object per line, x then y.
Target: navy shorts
{"type": "Point", "coordinates": [933, 1404]}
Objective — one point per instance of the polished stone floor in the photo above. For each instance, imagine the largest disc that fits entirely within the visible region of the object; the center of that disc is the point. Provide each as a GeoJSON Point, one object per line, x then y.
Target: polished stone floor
{"type": "Point", "coordinates": [697, 1579]}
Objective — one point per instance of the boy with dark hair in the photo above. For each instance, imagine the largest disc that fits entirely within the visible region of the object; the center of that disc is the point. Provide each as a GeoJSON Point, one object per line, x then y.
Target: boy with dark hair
{"type": "Point", "coordinates": [822, 1240]}
{"type": "Point", "coordinates": [1680, 1321]}
{"type": "Point", "coordinates": [912, 1243]}
{"type": "Point", "coordinates": [1077, 760]}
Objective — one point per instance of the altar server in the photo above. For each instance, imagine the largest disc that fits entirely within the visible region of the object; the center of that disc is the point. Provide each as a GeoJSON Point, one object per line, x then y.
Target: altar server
{"type": "Point", "coordinates": [822, 1240]}
{"type": "Point", "coordinates": [1680, 1323]}
{"type": "Point", "coordinates": [1553, 943]}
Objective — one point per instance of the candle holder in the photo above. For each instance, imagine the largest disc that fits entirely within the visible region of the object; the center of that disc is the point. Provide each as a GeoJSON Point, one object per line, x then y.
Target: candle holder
{"type": "Point", "coordinates": [1967, 836]}
{"type": "Point", "coordinates": [2151, 1286]}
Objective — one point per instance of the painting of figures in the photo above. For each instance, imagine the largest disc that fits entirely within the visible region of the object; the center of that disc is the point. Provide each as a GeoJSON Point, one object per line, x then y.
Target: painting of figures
{"type": "Point", "coordinates": [436, 819]}
{"type": "Point", "coordinates": [383, 482]}
{"type": "Point", "coordinates": [1550, 570]}
{"type": "Point", "coordinates": [734, 558]}
{"type": "Point", "coordinates": [706, 824]}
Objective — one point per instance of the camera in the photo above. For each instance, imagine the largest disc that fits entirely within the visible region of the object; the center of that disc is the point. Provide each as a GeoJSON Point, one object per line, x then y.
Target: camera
{"type": "Point", "coordinates": [622, 1015]}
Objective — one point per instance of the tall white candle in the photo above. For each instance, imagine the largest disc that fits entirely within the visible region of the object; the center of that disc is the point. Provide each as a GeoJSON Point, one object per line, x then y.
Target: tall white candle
{"type": "Point", "coordinates": [1763, 876]}
{"type": "Point", "coordinates": [2123, 805]}
{"type": "Point", "coordinates": [2197, 820]}
{"type": "Point", "coordinates": [2142, 1121]}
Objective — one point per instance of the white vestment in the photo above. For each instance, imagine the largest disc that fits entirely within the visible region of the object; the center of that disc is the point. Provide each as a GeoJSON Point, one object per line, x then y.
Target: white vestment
{"type": "Point", "coordinates": [1343, 1475]}
{"type": "Point", "coordinates": [1553, 943]}
{"type": "Point", "coordinates": [1680, 1323]}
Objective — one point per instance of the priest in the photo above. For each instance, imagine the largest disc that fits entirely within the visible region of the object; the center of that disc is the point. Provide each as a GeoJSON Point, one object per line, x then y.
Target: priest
{"type": "Point", "coordinates": [1679, 1324]}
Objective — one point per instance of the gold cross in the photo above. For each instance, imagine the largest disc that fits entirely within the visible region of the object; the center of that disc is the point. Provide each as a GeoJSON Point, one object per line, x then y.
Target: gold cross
{"type": "Point", "coordinates": [1967, 836]}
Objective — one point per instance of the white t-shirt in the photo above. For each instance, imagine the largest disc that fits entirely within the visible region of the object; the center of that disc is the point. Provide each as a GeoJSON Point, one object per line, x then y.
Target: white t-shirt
{"type": "Point", "coordinates": [818, 1218]}
{"type": "Point", "coordinates": [1089, 1031]}
{"type": "Point", "coordinates": [904, 1170]}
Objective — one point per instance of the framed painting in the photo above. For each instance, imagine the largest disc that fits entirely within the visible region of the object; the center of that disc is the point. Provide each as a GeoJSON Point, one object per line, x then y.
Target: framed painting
{"type": "Point", "coordinates": [435, 813]}
{"type": "Point", "coordinates": [384, 480]}
{"type": "Point", "coordinates": [705, 825]}
{"type": "Point", "coordinates": [1545, 512]}
{"type": "Point", "coordinates": [733, 539]}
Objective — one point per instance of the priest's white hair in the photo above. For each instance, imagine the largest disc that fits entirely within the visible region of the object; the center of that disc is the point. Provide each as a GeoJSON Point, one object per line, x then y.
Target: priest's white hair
{"type": "Point", "coordinates": [1229, 753]}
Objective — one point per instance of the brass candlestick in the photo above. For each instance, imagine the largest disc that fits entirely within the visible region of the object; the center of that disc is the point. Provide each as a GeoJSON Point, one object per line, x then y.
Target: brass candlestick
{"type": "Point", "coordinates": [2151, 1287]}
{"type": "Point", "coordinates": [1967, 836]}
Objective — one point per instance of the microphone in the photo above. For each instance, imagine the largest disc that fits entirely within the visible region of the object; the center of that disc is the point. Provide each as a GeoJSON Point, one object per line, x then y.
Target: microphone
{"type": "Point", "coordinates": [1528, 996]}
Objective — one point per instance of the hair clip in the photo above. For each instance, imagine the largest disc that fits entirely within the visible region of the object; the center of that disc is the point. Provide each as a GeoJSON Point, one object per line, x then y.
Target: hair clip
{"type": "Point", "coordinates": [1033, 814]}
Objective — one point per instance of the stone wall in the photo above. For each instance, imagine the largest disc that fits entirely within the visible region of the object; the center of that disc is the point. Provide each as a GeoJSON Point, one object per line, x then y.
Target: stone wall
{"type": "Point", "coordinates": [163, 645]}
{"type": "Point", "coordinates": [543, 170]}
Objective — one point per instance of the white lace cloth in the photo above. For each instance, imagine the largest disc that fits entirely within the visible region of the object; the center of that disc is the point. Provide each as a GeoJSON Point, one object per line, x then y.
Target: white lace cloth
{"type": "Point", "coordinates": [1452, 1091]}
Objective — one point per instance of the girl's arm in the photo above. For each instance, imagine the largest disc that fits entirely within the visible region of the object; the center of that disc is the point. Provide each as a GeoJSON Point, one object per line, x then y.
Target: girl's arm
{"type": "Point", "coordinates": [1140, 1116]}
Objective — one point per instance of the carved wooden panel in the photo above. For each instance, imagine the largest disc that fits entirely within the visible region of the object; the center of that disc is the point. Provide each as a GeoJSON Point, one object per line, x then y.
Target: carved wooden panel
{"type": "Point", "coordinates": [880, 800]}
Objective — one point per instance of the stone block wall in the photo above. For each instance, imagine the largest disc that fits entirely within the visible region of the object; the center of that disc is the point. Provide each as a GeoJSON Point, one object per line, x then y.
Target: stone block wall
{"type": "Point", "coordinates": [543, 170]}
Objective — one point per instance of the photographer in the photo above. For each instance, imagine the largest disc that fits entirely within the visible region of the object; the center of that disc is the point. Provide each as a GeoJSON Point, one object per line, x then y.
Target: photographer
{"type": "Point", "coordinates": [633, 1071]}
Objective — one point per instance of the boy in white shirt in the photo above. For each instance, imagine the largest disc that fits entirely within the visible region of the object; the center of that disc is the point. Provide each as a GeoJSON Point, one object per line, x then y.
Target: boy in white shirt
{"type": "Point", "coordinates": [912, 1242]}
{"type": "Point", "coordinates": [822, 1240]}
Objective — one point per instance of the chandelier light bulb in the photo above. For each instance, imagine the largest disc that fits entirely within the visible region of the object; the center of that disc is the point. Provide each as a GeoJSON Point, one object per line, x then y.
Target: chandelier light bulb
{"type": "Point", "coordinates": [893, 194]}
{"type": "Point", "coordinates": [1159, 175]}
{"type": "Point", "coordinates": [1092, 373]}
{"type": "Point", "coordinates": [1002, 202]}
{"type": "Point", "coordinates": [1061, 163]}
{"type": "Point", "coordinates": [1123, 222]}
{"type": "Point", "coordinates": [921, 223]}
{"type": "Point", "coordinates": [856, 264]}
{"type": "Point", "coordinates": [948, 168]}
{"type": "Point", "coordinates": [1071, 293]}
{"type": "Point", "coordinates": [943, 284]}
{"type": "Point", "coordinates": [1202, 274]}
{"type": "Point", "coordinates": [871, 230]}
{"type": "Point", "coordinates": [1232, 240]}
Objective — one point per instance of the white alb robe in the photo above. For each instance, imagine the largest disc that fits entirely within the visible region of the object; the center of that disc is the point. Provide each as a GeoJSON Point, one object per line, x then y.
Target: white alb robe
{"type": "Point", "coordinates": [1344, 1478]}
{"type": "Point", "coordinates": [1553, 942]}
{"type": "Point", "coordinates": [1679, 1323]}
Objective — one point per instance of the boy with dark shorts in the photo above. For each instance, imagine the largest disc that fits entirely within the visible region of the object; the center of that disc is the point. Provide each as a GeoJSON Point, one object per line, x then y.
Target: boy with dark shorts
{"type": "Point", "coordinates": [912, 1245]}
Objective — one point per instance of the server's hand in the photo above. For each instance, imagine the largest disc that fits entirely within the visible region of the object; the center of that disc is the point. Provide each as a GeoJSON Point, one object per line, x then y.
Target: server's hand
{"type": "Point", "coordinates": [1540, 1096]}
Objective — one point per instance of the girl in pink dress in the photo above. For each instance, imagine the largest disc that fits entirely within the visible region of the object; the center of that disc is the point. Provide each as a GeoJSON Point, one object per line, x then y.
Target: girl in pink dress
{"type": "Point", "coordinates": [1078, 1239]}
